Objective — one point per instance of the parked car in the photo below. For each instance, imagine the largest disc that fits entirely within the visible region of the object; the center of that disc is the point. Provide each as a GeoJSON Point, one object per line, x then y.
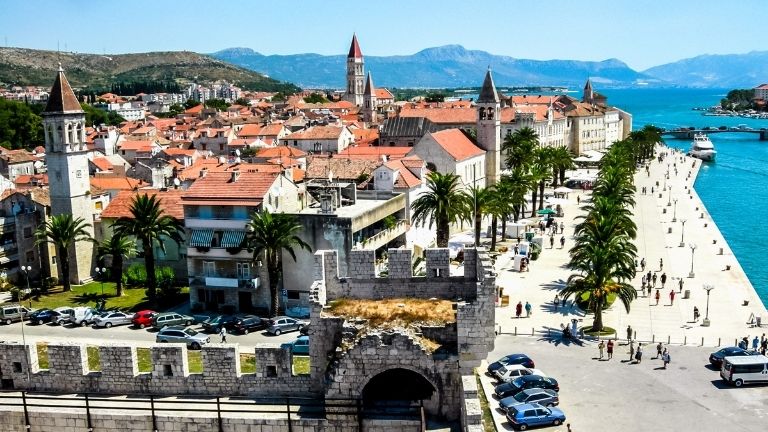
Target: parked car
{"type": "Point", "coordinates": [249, 323]}
{"type": "Point", "coordinates": [82, 315]}
{"type": "Point", "coordinates": [283, 324]}
{"type": "Point", "coordinates": [143, 318]}
{"type": "Point", "coordinates": [510, 372]}
{"type": "Point", "coordinates": [520, 359]}
{"type": "Point", "coordinates": [168, 319]}
{"type": "Point", "coordinates": [109, 319]}
{"type": "Point", "coordinates": [11, 313]}
{"type": "Point", "coordinates": [716, 358]}
{"type": "Point", "coordinates": [65, 313]}
{"type": "Point", "coordinates": [44, 315]}
{"type": "Point", "coordinates": [745, 369]}
{"type": "Point", "coordinates": [526, 415]}
{"type": "Point", "coordinates": [179, 334]}
{"type": "Point", "coordinates": [544, 397]}
{"type": "Point", "coordinates": [299, 346]}
{"type": "Point", "coordinates": [214, 325]}
{"type": "Point", "coordinates": [525, 382]}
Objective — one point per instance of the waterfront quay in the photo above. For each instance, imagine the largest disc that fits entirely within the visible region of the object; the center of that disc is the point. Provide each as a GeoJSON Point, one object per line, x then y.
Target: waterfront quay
{"type": "Point", "coordinates": [673, 228]}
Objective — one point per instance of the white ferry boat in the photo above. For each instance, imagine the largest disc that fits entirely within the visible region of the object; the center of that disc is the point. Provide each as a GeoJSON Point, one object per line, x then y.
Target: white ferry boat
{"type": "Point", "coordinates": [702, 148]}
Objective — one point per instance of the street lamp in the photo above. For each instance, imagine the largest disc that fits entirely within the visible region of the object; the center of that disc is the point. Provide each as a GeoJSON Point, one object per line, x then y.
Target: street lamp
{"type": "Point", "coordinates": [669, 197]}
{"type": "Point", "coordinates": [693, 249]}
{"type": "Point", "coordinates": [674, 211]}
{"type": "Point", "coordinates": [707, 288]}
{"type": "Point", "coordinates": [26, 270]}
{"type": "Point", "coordinates": [682, 233]}
{"type": "Point", "coordinates": [101, 271]}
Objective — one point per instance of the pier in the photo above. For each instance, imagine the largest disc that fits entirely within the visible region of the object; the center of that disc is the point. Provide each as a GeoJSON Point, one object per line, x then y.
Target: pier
{"type": "Point", "coordinates": [689, 133]}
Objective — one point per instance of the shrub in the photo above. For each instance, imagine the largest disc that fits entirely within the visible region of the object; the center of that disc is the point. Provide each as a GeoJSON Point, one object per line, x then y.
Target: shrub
{"type": "Point", "coordinates": [135, 275]}
{"type": "Point", "coordinates": [167, 290]}
{"type": "Point", "coordinates": [15, 294]}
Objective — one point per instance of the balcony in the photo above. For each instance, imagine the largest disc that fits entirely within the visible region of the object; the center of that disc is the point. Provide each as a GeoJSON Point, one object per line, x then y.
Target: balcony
{"type": "Point", "coordinates": [217, 253]}
{"type": "Point", "coordinates": [385, 236]}
{"type": "Point", "coordinates": [213, 223]}
{"type": "Point", "coordinates": [219, 281]}
{"type": "Point", "coordinates": [8, 249]}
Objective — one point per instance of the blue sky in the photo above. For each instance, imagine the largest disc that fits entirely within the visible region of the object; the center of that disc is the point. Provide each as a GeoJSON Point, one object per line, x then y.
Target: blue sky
{"type": "Point", "coordinates": [643, 33]}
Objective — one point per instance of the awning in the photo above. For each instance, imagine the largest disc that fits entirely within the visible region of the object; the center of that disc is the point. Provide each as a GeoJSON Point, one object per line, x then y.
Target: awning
{"type": "Point", "coordinates": [232, 239]}
{"type": "Point", "coordinates": [201, 238]}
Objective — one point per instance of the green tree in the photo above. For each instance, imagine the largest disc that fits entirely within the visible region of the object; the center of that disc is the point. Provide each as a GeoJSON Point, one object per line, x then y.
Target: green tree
{"type": "Point", "coordinates": [96, 116]}
{"type": "Point", "coordinates": [190, 103]}
{"type": "Point", "coordinates": [434, 97]}
{"type": "Point", "coordinates": [64, 233]}
{"type": "Point", "coordinates": [151, 226]}
{"type": "Point", "coordinates": [242, 102]}
{"type": "Point", "coordinates": [519, 147]}
{"type": "Point", "coordinates": [482, 204]}
{"type": "Point", "coordinates": [20, 126]}
{"type": "Point", "coordinates": [445, 202]}
{"type": "Point", "coordinates": [118, 248]}
{"type": "Point", "coordinates": [269, 235]}
{"type": "Point", "coordinates": [520, 183]}
{"type": "Point", "coordinates": [316, 98]}
{"type": "Point", "coordinates": [279, 97]}
{"type": "Point", "coordinates": [218, 104]}
{"type": "Point", "coordinates": [562, 160]}
{"type": "Point", "coordinates": [540, 170]}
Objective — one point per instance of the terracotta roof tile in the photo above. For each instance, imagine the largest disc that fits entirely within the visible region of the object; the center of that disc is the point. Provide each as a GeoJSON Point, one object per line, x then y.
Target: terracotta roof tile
{"type": "Point", "coordinates": [280, 151]}
{"type": "Point", "coordinates": [249, 186]}
{"type": "Point", "coordinates": [170, 203]}
{"type": "Point", "coordinates": [62, 98]}
{"type": "Point", "coordinates": [316, 133]}
{"type": "Point", "coordinates": [443, 115]}
{"type": "Point", "coordinates": [116, 183]}
{"type": "Point", "coordinates": [457, 144]}
{"type": "Point", "coordinates": [102, 163]}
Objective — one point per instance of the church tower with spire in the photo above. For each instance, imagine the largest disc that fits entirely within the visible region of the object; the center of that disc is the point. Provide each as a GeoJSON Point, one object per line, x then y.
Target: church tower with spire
{"type": "Point", "coordinates": [67, 161]}
{"type": "Point", "coordinates": [369, 101]}
{"type": "Point", "coordinates": [589, 94]}
{"type": "Point", "coordinates": [355, 73]}
{"type": "Point", "coordinates": [488, 108]}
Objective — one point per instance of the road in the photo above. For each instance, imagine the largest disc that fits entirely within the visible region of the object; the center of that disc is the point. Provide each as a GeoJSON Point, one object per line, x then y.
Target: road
{"type": "Point", "coordinates": [121, 334]}
{"type": "Point", "coordinates": [622, 396]}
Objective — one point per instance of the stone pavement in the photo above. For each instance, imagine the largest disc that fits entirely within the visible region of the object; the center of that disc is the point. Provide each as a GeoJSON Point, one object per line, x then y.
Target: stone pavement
{"type": "Point", "coordinates": [657, 238]}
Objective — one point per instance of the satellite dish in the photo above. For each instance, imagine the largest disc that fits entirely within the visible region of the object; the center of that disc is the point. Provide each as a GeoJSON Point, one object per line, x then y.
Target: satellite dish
{"type": "Point", "coordinates": [176, 182]}
{"type": "Point", "coordinates": [237, 152]}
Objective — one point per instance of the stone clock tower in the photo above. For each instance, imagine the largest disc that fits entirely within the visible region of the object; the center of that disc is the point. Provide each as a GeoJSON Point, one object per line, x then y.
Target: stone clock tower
{"type": "Point", "coordinates": [67, 161]}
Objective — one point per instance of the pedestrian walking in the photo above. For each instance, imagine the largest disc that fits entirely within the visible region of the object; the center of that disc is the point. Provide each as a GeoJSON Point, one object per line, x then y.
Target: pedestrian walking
{"type": "Point", "coordinates": [764, 346]}
{"type": "Point", "coordinates": [223, 334]}
{"type": "Point", "coordinates": [519, 309]}
{"type": "Point", "coordinates": [629, 333]}
{"type": "Point", "coordinates": [609, 349]}
{"type": "Point", "coordinates": [601, 347]}
{"type": "Point", "coordinates": [562, 242]}
{"type": "Point", "coordinates": [631, 350]}
{"type": "Point", "coordinates": [562, 227]}
{"type": "Point", "coordinates": [578, 200]}
{"type": "Point", "coordinates": [556, 302]}
{"type": "Point", "coordinates": [642, 287]}
{"type": "Point", "coordinates": [642, 264]}
{"type": "Point", "coordinates": [654, 280]}
{"type": "Point", "coordinates": [648, 277]}
{"type": "Point", "coordinates": [527, 310]}
{"type": "Point", "coordinates": [665, 358]}
{"type": "Point", "coordinates": [695, 314]}
{"type": "Point", "coordinates": [637, 263]}
{"type": "Point", "coordinates": [743, 344]}
{"type": "Point", "coordinates": [680, 285]}
{"type": "Point", "coordinates": [671, 297]}
{"type": "Point", "coordinates": [551, 242]}
{"type": "Point", "coordinates": [658, 296]}
{"type": "Point", "coordinates": [755, 342]}
{"type": "Point", "coordinates": [563, 302]}
{"type": "Point", "coordinates": [639, 353]}
{"type": "Point", "coordinates": [658, 350]}
{"type": "Point", "coordinates": [661, 264]}
{"type": "Point", "coordinates": [663, 279]}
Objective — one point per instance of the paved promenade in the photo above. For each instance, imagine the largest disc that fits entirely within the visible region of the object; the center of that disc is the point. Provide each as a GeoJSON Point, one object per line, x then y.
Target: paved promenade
{"type": "Point", "coordinates": [663, 322]}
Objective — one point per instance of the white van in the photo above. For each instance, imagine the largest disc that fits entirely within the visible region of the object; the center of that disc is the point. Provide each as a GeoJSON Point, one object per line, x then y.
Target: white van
{"type": "Point", "coordinates": [738, 370]}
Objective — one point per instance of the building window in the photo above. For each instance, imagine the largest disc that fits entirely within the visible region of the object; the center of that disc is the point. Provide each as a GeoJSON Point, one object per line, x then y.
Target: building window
{"type": "Point", "coordinates": [243, 270]}
{"type": "Point", "coordinates": [53, 260]}
{"type": "Point", "coordinates": [30, 256]}
{"type": "Point", "coordinates": [294, 295]}
{"type": "Point", "coordinates": [209, 268]}
{"type": "Point", "coordinates": [27, 232]}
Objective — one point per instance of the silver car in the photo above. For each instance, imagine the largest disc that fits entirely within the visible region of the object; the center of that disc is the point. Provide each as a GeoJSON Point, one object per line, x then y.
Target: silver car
{"type": "Point", "coordinates": [283, 324]}
{"type": "Point", "coordinates": [109, 319]}
{"type": "Point", "coordinates": [193, 339]}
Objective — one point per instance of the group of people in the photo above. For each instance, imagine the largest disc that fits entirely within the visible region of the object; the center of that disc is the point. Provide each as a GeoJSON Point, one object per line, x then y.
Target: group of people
{"type": "Point", "coordinates": [758, 343]}
{"type": "Point", "coordinates": [519, 309]}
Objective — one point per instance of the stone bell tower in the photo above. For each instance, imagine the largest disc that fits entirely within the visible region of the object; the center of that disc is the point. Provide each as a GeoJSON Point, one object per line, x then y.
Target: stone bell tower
{"type": "Point", "coordinates": [67, 160]}
{"type": "Point", "coordinates": [355, 73]}
{"type": "Point", "coordinates": [489, 128]}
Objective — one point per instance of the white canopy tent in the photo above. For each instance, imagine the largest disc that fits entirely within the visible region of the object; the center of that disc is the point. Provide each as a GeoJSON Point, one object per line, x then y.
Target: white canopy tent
{"type": "Point", "coordinates": [456, 243]}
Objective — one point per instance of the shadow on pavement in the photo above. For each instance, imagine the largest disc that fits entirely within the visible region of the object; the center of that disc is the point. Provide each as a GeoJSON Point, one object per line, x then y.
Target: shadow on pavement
{"type": "Point", "coordinates": [555, 336]}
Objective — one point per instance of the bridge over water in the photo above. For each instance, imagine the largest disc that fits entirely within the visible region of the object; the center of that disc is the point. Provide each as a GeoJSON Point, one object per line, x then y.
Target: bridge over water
{"type": "Point", "coordinates": [689, 133]}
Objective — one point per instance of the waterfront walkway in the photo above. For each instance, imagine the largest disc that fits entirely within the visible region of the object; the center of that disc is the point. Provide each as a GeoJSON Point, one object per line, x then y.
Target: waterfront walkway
{"type": "Point", "coordinates": [657, 238]}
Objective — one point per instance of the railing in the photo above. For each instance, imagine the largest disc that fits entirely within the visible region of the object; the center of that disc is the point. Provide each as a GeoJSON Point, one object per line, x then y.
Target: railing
{"type": "Point", "coordinates": [386, 234]}
{"type": "Point", "coordinates": [225, 281]}
{"type": "Point", "coordinates": [294, 408]}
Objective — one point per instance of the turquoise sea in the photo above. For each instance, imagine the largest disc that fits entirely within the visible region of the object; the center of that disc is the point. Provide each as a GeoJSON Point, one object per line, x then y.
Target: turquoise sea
{"type": "Point", "coordinates": [735, 188]}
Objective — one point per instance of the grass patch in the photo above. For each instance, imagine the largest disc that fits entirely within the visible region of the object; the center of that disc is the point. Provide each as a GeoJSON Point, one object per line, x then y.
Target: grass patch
{"type": "Point", "coordinates": [144, 358]}
{"type": "Point", "coordinates": [396, 312]}
{"type": "Point", "coordinates": [94, 359]}
{"type": "Point", "coordinates": [90, 294]}
{"type": "Point", "coordinates": [488, 424]}
{"type": "Point", "coordinates": [301, 365]}
{"type": "Point", "coordinates": [247, 363]}
{"type": "Point", "coordinates": [195, 359]}
{"type": "Point", "coordinates": [43, 360]}
{"type": "Point", "coordinates": [583, 301]}
{"type": "Point", "coordinates": [42, 355]}
{"type": "Point", "coordinates": [607, 331]}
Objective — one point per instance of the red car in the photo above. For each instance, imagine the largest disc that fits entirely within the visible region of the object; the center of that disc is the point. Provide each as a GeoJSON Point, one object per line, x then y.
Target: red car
{"type": "Point", "coordinates": [142, 319]}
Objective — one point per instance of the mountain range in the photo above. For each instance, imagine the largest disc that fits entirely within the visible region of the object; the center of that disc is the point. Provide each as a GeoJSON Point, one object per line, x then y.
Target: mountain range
{"type": "Point", "coordinates": [455, 66]}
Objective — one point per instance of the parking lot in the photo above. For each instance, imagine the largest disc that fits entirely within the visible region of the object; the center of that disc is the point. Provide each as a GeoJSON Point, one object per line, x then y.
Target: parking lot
{"type": "Point", "coordinates": [618, 395]}
{"type": "Point", "coordinates": [122, 334]}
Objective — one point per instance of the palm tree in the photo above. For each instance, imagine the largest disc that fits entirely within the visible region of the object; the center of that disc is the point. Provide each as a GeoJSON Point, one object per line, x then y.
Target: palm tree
{"type": "Point", "coordinates": [502, 207]}
{"type": "Point", "coordinates": [151, 226]}
{"type": "Point", "coordinates": [117, 247]}
{"type": "Point", "coordinates": [444, 203]}
{"type": "Point", "coordinates": [539, 171]}
{"type": "Point", "coordinates": [63, 232]}
{"type": "Point", "coordinates": [482, 202]}
{"type": "Point", "coordinates": [269, 234]}
{"type": "Point", "coordinates": [562, 160]}
{"type": "Point", "coordinates": [519, 147]}
{"type": "Point", "coordinates": [519, 183]}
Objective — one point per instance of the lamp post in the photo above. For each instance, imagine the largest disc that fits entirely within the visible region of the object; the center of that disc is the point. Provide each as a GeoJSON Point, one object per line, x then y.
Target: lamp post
{"type": "Point", "coordinates": [682, 233]}
{"type": "Point", "coordinates": [693, 249]}
{"type": "Point", "coordinates": [669, 196]}
{"type": "Point", "coordinates": [674, 211]}
{"type": "Point", "coordinates": [707, 288]}
{"type": "Point", "coordinates": [101, 271]}
{"type": "Point", "coordinates": [26, 270]}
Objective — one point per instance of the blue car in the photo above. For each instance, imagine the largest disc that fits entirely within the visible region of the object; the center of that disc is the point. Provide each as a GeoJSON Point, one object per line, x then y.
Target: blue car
{"type": "Point", "coordinates": [523, 416]}
{"type": "Point", "coordinates": [520, 359]}
{"type": "Point", "coordinates": [299, 346]}
{"type": "Point", "coordinates": [41, 316]}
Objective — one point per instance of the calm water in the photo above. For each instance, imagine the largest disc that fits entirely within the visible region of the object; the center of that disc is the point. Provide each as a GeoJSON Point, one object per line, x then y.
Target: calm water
{"type": "Point", "coordinates": [735, 188]}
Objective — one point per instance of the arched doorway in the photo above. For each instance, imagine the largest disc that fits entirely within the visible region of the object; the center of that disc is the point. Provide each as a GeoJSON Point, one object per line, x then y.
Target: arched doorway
{"type": "Point", "coordinates": [398, 385]}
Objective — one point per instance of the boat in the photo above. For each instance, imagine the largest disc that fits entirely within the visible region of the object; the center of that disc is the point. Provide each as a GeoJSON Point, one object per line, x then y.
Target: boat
{"type": "Point", "coordinates": [702, 148]}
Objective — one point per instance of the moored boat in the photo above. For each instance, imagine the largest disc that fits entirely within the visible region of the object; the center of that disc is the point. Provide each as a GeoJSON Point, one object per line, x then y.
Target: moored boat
{"type": "Point", "coordinates": [702, 148]}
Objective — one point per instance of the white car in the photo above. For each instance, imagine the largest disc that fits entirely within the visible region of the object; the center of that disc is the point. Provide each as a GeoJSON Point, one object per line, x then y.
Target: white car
{"type": "Point", "coordinates": [509, 372]}
{"type": "Point", "coordinates": [109, 319]}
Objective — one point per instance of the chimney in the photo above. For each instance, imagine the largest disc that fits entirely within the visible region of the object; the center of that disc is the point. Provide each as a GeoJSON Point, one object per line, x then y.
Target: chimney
{"type": "Point", "coordinates": [203, 172]}
{"type": "Point", "coordinates": [235, 174]}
